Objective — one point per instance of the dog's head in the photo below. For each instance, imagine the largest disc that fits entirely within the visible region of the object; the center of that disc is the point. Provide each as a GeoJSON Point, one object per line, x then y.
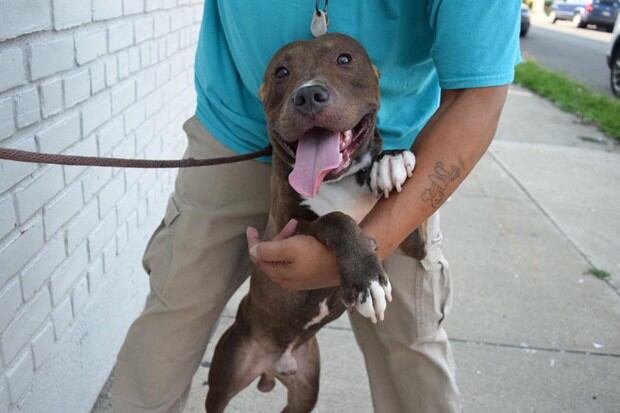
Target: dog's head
{"type": "Point", "coordinates": [321, 98]}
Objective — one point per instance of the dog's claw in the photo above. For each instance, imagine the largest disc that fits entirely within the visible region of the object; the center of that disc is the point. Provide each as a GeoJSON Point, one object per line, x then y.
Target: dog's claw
{"type": "Point", "coordinates": [385, 177]}
{"type": "Point", "coordinates": [388, 290]}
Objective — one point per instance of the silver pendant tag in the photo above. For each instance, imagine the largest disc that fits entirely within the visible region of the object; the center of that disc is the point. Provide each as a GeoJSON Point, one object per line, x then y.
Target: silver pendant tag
{"type": "Point", "coordinates": [319, 24]}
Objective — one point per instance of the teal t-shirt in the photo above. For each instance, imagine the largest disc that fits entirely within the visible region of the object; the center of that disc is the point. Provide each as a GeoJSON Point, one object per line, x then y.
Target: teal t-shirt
{"type": "Point", "coordinates": [419, 46]}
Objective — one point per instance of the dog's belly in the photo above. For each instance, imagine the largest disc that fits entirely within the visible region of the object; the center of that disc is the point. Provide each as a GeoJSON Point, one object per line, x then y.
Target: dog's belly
{"type": "Point", "coordinates": [346, 196]}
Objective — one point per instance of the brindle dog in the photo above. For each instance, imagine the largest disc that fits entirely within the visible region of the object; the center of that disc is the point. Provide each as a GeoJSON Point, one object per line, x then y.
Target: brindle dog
{"type": "Point", "coordinates": [320, 98]}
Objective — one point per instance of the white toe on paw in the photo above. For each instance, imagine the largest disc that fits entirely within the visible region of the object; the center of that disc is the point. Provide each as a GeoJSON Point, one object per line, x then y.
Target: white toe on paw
{"type": "Point", "coordinates": [385, 178]}
{"type": "Point", "coordinates": [364, 306]}
{"type": "Point", "coordinates": [398, 171]}
{"type": "Point", "coordinates": [378, 297]}
{"type": "Point", "coordinates": [409, 159]}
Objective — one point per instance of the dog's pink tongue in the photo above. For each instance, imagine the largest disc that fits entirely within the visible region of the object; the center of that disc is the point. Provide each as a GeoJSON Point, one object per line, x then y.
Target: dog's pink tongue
{"type": "Point", "coordinates": [317, 154]}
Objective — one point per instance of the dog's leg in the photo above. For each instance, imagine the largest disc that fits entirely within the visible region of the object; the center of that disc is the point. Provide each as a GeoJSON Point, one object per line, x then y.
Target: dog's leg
{"type": "Point", "coordinates": [303, 386]}
{"type": "Point", "coordinates": [237, 361]}
{"type": "Point", "coordinates": [364, 283]}
{"type": "Point", "coordinates": [389, 172]}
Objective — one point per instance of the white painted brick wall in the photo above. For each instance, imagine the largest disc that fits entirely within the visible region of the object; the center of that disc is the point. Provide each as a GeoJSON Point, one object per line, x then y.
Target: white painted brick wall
{"type": "Point", "coordinates": [51, 56]}
{"type": "Point", "coordinates": [7, 120]}
{"type": "Point", "coordinates": [23, 17]}
{"type": "Point", "coordinates": [37, 272]}
{"type": "Point", "coordinates": [51, 97]}
{"type": "Point", "coordinates": [76, 87]}
{"type": "Point", "coordinates": [12, 68]}
{"type": "Point", "coordinates": [20, 375]}
{"type": "Point", "coordinates": [65, 131]}
{"type": "Point", "coordinates": [4, 398]}
{"type": "Point", "coordinates": [27, 107]}
{"type": "Point", "coordinates": [90, 44]}
{"type": "Point", "coordinates": [10, 301]}
{"type": "Point", "coordinates": [43, 344]}
{"type": "Point", "coordinates": [8, 219]}
{"type": "Point", "coordinates": [17, 335]}
{"type": "Point", "coordinates": [91, 77]}
{"type": "Point", "coordinates": [68, 13]}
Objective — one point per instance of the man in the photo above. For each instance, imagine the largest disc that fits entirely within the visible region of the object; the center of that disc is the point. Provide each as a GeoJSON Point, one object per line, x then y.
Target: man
{"type": "Point", "coordinates": [445, 67]}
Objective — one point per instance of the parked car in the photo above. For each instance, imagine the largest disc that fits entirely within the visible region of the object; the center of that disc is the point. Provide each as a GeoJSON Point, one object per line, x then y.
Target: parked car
{"type": "Point", "coordinates": [601, 13]}
{"type": "Point", "coordinates": [525, 20]}
{"type": "Point", "coordinates": [613, 59]}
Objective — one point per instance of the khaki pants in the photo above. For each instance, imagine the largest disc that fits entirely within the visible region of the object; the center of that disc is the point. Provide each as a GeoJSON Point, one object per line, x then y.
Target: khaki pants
{"type": "Point", "coordinates": [197, 258]}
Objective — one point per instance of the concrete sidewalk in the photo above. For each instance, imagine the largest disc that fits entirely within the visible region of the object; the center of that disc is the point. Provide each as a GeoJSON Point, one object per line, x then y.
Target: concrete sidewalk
{"type": "Point", "coordinates": [532, 331]}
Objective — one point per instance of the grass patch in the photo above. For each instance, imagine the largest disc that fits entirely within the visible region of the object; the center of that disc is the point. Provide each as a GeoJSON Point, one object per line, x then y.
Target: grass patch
{"type": "Point", "coordinates": [600, 274]}
{"type": "Point", "coordinates": [571, 96]}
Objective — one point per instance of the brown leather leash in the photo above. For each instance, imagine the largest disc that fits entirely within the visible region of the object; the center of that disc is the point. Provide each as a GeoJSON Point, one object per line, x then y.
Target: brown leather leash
{"type": "Point", "coordinates": [75, 160]}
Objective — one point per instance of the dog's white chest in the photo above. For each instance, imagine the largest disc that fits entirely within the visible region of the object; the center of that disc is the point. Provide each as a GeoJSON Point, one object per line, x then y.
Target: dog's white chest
{"type": "Point", "coordinates": [345, 196]}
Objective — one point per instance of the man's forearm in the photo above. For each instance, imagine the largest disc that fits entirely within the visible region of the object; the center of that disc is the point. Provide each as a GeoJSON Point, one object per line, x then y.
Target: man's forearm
{"type": "Point", "coordinates": [446, 150]}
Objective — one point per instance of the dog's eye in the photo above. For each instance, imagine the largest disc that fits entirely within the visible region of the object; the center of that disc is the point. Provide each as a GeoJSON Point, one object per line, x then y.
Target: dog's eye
{"type": "Point", "coordinates": [281, 72]}
{"type": "Point", "coordinates": [344, 59]}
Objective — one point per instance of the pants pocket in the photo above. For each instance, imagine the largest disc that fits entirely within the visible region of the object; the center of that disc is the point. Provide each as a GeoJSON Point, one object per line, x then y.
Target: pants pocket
{"type": "Point", "coordinates": [433, 293]}
{"type": "Point", "coordinates": [158, 255]}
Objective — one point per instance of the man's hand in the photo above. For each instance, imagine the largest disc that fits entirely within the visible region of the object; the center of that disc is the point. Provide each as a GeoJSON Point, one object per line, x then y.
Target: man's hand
{"type": "Point", "coordinates": [296, 262]}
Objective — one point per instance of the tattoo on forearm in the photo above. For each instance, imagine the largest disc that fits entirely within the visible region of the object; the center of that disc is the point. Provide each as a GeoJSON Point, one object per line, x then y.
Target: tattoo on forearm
{"type": "Point", "coordinates": [440, 179]}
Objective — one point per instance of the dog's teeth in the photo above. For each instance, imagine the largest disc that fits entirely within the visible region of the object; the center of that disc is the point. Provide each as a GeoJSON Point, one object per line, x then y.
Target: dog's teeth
{"type": "Point", "coordinates": [347, 137]}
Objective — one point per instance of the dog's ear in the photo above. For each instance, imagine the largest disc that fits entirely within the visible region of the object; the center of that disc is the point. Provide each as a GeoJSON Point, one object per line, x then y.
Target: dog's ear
{"type": "Point", "coordinates": [261, 92]}
{"type": "Point", "coordinates": [377, 72]}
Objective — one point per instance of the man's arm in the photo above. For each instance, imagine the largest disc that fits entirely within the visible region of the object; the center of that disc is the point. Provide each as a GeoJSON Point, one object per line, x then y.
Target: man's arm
{"type": "Point", "coordinates": [447, 149]}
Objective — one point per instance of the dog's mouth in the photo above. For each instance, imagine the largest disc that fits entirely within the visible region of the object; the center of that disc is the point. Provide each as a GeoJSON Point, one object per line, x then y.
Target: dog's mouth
{"type": "Point", "coordinates": [322, 154]}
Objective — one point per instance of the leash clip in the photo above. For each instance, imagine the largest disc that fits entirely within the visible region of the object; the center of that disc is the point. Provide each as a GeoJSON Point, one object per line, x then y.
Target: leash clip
{"type": "Point", "coordinates": [320, 20]}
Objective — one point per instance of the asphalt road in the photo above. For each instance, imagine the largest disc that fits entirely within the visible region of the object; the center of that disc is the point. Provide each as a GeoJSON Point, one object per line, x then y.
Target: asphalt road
{"type": "Point", "coordinates": [578, 53]}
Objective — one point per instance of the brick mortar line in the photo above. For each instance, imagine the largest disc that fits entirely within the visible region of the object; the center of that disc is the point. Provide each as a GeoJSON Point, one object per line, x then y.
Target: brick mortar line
{"type": "Point", "coordinates": [53, 35]}
{"type": "Point", "coordinates": [41, 33]}
{"type": "Point", "coordinates": [67, 294]}
{"type": "Point", "coordinates": [44, 122]}
{"type": "Point", "coordinates": [32, 131]}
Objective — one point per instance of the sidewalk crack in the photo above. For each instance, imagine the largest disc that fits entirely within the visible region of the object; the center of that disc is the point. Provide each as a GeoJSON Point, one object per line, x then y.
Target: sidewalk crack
{"type": "Point", "coordinates": [545, 213]}
{"type": "Point", "coordinates": [537, 348]}
{"type": "Point", "coordinates": [494, 344]}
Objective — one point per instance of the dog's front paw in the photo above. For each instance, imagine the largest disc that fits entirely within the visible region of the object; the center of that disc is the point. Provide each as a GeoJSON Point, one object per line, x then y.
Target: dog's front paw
{"type": "Point", "coordinates": [367, 288]}
{"type": "Point", "coordinates": [391, 171]}
{"type": "Point", "coordinates": [372, 301]}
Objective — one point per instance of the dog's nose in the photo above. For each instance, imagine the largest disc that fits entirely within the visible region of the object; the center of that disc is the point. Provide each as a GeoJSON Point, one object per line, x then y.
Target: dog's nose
{"type": "Point", "coordinates": [310, 99]}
